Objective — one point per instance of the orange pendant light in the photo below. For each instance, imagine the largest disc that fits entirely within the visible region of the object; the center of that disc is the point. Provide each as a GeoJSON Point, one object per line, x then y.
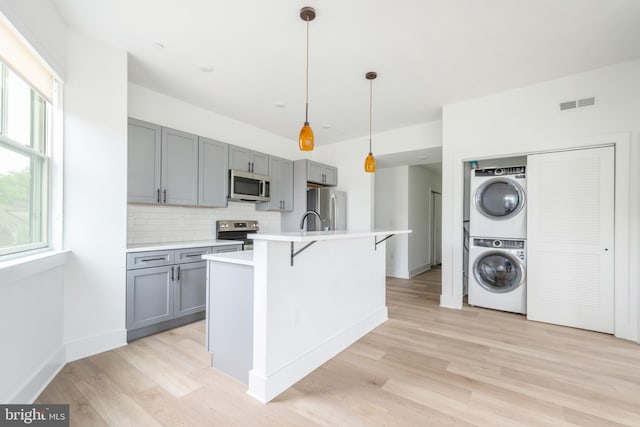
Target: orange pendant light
{"type": "Point", "coordinates": [370, 162]}
{"type": "Point", "coordinates": [306, 139]}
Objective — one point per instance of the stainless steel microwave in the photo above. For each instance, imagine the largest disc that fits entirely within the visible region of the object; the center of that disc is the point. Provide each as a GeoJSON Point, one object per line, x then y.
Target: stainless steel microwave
{"type": "Point", "coordinates": [247, 186]}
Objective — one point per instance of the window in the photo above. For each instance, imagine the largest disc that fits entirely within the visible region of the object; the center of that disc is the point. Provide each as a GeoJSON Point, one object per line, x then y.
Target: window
{"type": "Point", "coordinates": [24, 164]}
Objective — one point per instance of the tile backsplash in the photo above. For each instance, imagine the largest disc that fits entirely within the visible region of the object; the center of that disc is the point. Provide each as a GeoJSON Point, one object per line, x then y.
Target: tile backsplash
{"type": "Point", "coordinates": [157, 224]}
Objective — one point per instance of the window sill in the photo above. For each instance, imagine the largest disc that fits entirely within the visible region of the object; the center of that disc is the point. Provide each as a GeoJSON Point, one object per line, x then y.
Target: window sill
{"type": "Point", "coordinates": [21, 268]}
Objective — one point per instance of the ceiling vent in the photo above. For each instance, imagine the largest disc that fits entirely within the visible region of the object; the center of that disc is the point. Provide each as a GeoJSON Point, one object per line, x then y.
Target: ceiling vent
{"type": "Point", "coordinates": [584, 102]}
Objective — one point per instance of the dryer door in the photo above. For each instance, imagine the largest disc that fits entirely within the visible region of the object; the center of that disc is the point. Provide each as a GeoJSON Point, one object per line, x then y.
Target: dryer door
{"type": "Point", "coordinates": [498, 272]}
{"type": "Point", "coordinates": [499, 198]}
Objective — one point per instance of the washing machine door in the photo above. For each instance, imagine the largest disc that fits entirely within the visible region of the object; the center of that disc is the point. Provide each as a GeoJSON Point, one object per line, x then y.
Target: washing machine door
{"type": "Point", "coordinates": [499, 198]}
{"type": "Point", "coordinates": [498, 272]}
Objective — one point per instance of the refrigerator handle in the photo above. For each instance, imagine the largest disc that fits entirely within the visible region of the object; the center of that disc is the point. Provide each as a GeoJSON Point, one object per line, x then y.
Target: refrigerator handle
{"type": "Point", "coordinates": [334, 212]}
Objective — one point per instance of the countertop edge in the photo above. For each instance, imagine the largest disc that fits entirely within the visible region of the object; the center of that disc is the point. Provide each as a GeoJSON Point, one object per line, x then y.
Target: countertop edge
{"type": "Point", "coordinates": [181, 245]}
{"type": "Point", "coordinates": [323, 235]}
{"type": "Point", "coordinates": [240, 258]}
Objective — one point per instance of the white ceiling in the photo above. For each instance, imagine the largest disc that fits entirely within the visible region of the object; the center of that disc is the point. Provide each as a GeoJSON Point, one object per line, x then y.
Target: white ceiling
{"type": "Point", "coordinates": [427, 53]}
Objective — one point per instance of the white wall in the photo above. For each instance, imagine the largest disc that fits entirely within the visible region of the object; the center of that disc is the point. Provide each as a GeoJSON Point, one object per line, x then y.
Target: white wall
{"type": "Point", "coordinates": [392, 212]}
{"type": "Point", "coordinates": [40, 24]}
{"type": "Point", "coordinates": [528, 120]}
{"type": "Point", "coordinates": [154, 107]}
{"type": "Point", "coordinates": [95, 188]}
{"type": "Point", "coordinates": [31, 303]}
{"type": "Point", "coordinates": [31, 327]}
{"type": "Point", "coordinates": [349, 157]}
{"type": "Point", "coordinates": [403, 201]}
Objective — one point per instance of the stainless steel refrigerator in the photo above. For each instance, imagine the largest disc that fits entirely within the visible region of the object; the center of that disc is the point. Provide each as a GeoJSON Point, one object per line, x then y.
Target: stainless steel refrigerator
{"type": "Point", "coordinates": [332, 207]}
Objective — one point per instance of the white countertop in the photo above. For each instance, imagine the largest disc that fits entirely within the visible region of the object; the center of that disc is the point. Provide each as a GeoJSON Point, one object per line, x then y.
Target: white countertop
{"type": "Point", "coordinates": [180, 245]}
{"type": "Point", "coordinates": [310, 236]}
{"type": "Point", "coordinates": [240, 257]}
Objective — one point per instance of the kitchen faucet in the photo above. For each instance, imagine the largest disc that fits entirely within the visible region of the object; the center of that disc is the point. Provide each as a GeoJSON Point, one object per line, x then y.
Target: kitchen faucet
{"type": "Point", "coordinates": [306, 214]}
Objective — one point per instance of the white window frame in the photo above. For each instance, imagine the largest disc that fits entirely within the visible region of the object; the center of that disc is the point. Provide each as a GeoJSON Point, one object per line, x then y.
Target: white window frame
{"type": "Point", "coordinates": [43, 200]}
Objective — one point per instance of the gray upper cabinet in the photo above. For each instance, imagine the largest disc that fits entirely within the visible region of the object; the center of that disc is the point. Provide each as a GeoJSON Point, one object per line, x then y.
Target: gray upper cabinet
{"type": "Point", "coordinates": [243, 159]}
{"type": "Point", "coordinates": [179, 167]}
{"type": "Point", "coordinates": [162, 165]}
{"type": "Point", "coordinates": [330, 175]}
{"type": "Point", "coordinates": [281, 172]}
{"type": "Point", "coordinates": [213, 173]}
{"type": "Point", "coordinates": [314, 172]}
{"type": "Point", "coordinates": [259, 163]}
{"type": "Point", "coordinates": [144, 162]}
{"type": "Point", "coordinates": [319, 173]}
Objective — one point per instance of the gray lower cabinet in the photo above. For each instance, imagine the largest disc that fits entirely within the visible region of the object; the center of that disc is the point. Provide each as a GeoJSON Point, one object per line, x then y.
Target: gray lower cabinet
{"type": "Point", "coordinates": [227, 248]}
{"type": "Point", "coordinates": [166, 289]}
{"type": "Point", "coordinates": [191, 289]}
{"type": "Point", "coordinates": [149, 296]}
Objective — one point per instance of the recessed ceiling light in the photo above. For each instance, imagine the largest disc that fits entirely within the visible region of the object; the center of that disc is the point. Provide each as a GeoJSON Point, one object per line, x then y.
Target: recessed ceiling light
{"type": "Point", "coordinates": [158, 45]}
{"type": "Point", "coordinates": [205, 68]}
{"type": "Point", "coordinates": [280, 105]}
{"type": "Point", "coordinates": [326, 126]}
{"type": "Point", "coordinates": [423, 157]}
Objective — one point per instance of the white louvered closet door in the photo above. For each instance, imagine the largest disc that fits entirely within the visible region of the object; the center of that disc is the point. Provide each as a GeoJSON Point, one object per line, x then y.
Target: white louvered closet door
{"type": "Point", "coordinates": [570, 238]}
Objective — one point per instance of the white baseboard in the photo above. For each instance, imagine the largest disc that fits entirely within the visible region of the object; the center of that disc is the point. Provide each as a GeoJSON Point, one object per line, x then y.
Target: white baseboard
{"type": "Point", "coordinates": [86, 347]}
{"type": "Point", "coordinates": [448, 301]}
{"type": "Point", "coordinates": [415, 271]}
{"type": "Point", "coordinates": [41, 378]}
{"type": "Point", "coordinates": [266, 388]}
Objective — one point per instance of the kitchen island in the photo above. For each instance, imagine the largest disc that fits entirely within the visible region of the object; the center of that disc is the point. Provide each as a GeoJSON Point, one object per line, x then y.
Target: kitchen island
{"type": "Point", "coordinates": [314, 294]}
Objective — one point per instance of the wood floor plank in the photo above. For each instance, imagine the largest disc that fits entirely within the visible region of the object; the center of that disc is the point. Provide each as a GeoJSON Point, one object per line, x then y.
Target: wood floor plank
{"type": "Point", "coordinates": [425, 366]}
{"type": "Point", "coordinates": [114, 406]}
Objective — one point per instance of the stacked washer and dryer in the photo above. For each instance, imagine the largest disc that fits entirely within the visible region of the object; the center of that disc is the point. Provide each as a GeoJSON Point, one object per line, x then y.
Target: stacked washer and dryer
{"type": "Point", "coordinates": [497, 242]}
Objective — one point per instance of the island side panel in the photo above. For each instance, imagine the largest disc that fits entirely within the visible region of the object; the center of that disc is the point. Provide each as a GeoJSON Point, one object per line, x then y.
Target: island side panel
{"type": "Point", "coordinates": [230, 318]}
{"type": "Point", "coordinates": [306, 314]}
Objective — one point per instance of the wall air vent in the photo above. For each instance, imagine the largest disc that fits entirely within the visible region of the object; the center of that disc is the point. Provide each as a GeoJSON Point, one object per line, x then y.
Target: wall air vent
{"type": "Point", "coordinates": [584, 102]}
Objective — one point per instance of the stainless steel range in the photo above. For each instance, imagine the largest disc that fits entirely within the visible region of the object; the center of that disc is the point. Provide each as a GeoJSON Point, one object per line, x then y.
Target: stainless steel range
{"type": "Point", "coordinates": [237, 230]}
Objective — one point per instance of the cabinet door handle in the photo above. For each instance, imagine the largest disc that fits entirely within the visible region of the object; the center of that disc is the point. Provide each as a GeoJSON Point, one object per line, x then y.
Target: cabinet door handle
{"type": "Point", "coordinates": [158, 195]}
{"type": "Point", "coordinates": [172, 273]}
{"type": "Point", "coordinates": [153, 259]}
{"type": "Point", "coordinates": [192, 255]}
{"type": "Point", "coordinates": [248, 166]}
{"type": "Point", "coordinates": [178, 274]}
{"type": "Point", "coordinates": [252, 165]}
{"type": "Point", "coordinates": [165, 195]}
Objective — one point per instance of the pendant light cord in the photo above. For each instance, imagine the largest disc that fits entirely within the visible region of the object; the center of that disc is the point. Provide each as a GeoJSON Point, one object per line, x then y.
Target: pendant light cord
{"type": "Point", "coordinates": [306, 112]}
{"type": "Point", "coordinates": [370, 111]}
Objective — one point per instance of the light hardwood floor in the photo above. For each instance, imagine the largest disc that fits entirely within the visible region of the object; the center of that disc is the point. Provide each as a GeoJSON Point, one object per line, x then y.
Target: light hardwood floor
{"type": "Point", "coordinates": [426, 366]}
